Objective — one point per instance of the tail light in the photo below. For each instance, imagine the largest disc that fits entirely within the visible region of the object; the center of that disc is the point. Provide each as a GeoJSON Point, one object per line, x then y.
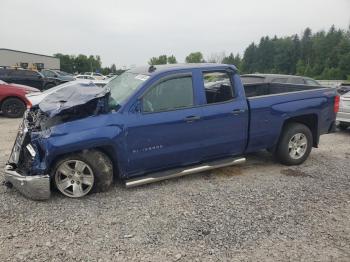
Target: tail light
{"type": "Point", "coordinates": [336, 104]}
{"type": "Point", "coordinates": [29, 105]}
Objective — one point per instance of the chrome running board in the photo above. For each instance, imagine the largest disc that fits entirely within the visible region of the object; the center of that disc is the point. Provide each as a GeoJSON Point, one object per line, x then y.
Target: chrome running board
{"type": "Point", "coordinates": [178, 172]}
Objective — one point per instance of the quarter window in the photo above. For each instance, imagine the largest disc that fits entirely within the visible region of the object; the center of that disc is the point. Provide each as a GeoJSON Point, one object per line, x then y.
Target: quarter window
{"type": "Point", "coordinates": [218, 87]}
{"type": "Point", "coordinates": [168, 95]}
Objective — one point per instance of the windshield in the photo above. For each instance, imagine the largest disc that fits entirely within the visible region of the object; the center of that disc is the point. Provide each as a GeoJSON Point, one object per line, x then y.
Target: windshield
{"type": "Point", "coordinates": [123, 86]}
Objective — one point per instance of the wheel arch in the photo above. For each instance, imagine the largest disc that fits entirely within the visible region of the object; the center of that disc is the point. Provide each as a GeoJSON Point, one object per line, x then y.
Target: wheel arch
{"type": "Point", "coordinates": [108, 150]}
{"type": "Point", "coordinates": [13, 96]}
{"type": "Point", "coordinates": [309, 120]}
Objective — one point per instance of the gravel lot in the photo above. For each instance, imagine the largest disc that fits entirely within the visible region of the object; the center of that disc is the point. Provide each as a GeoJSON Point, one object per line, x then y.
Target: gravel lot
{"type": "Point", "coordinates": [260, 211]}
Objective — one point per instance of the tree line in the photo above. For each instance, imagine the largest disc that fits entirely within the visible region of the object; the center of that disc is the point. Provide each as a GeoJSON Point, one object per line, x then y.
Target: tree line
{"type": "Point", "coordinates": [321, 55]}
{"type": "Point", "coordinates": [83, 63]}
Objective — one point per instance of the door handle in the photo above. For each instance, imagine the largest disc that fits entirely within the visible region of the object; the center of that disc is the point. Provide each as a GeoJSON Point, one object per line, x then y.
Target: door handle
{"type": "Point", "coordinates": [238, 111]}
{"type": "Point", "coordinates": [191, 119]}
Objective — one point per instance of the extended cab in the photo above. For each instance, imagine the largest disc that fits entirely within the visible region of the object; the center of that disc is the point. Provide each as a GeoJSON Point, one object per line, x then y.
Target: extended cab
{"type": "Point", "coordinates": [158, 122]}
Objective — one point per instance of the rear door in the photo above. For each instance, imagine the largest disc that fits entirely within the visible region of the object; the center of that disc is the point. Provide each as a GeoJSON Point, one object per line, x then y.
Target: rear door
{"type": "Point", "coordinates": [224, 115]}
{"type": "Point", "coordinates": [167, 133]}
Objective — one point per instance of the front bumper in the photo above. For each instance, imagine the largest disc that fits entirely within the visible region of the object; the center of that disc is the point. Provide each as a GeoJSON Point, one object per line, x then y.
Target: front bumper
{"type": "Point", "coordinates": [343, 117]}
{"type": "Point", "coordinates": [33, 187]}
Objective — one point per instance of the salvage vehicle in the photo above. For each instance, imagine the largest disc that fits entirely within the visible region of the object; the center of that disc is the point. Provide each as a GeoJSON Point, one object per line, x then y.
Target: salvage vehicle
{"type": "Point", "coordinates": [158, 122]}
{"type": "Point", "coordinates": [343, 115]}
{"type": "Point", "coordinates": [13, 100]}
{"type": "Point", "coordinates": [29, 78]}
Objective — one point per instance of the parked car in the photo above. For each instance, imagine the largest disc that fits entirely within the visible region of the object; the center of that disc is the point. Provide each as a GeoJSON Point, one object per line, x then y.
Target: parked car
{"type": "Point", "coordinates": [13, 101]}
{"type": "Point", "coordinates": [276, 78]}
{"type": "Point", "coordinates": [154, 123]}
{"type": "Point", "coordinates": [28, 77]}
{"type": "Point", "coordinates": [56, 74]}
{"type": "Point", "coordinates": [343, 88]}
{"type": "Point", "coordinates": [87, 77]}
{"type": "Point", "coordinates": [97, 76]}
{"type": "Point", "coordinates": [343, 115]}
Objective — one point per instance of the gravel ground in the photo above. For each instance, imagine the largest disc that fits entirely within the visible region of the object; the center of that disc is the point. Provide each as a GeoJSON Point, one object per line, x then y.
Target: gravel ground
{"type": "Point", "coordinates": [260, 211]}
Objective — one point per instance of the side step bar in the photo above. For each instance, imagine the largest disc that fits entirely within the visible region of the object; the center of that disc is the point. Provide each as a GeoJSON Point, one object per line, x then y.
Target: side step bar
{"type": "Point", "coordinates": [178, 172]}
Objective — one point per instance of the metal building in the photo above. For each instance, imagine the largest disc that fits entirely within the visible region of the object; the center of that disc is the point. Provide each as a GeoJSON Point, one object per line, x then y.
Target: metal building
{"type": "Point", "coordinates": [14, 58]}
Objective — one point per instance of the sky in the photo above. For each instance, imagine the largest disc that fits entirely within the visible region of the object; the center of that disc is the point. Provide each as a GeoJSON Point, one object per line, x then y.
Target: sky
{"type": "Point", "coordinates": [130, 32]}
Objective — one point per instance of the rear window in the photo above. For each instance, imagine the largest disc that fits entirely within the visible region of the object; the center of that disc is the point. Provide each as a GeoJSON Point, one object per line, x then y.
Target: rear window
{"type": "Point", "coordinates": [252, 79]}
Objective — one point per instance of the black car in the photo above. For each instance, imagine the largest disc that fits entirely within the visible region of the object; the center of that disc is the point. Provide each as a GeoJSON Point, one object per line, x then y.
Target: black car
{"type": "Point", "coordinates": [59, 75]}
{"type": "Point", "coordinates": [343, 88]}
{"type": "Point", "coordinates": [277, 78]}
{"type": "Point", "coordinates": [28, 78]}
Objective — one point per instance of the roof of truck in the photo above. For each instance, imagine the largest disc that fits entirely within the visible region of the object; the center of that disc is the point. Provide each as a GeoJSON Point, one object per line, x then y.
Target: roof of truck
{"type": "Point", "coordinates": [149, 70]}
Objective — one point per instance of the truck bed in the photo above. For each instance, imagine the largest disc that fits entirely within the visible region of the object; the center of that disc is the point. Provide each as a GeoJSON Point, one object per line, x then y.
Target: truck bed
{"type": "Point", "coordinates": [265, 89]}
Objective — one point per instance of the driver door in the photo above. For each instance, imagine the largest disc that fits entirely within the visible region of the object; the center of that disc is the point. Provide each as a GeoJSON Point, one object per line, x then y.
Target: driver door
{"type": "Point", "coordinates": [165, 133]}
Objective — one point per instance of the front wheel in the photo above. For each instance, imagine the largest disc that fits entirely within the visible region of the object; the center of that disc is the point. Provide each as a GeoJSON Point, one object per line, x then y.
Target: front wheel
{"type": "Point", "coordinates": [13, 107]}
{"type": "Point", "coordinates": [295, 144]}
{"type": "Point", "coordinates": [79, 174]}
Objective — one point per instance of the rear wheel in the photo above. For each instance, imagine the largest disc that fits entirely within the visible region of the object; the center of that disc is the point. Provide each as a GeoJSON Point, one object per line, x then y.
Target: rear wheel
{"type": "Point", "coordinates": [81, 173]}
{"type": "Point", "coordinates": [295, 144]}
{"type": "Point", "coordinates": [343, 125]}
{"type": "Point", "coordinates": [13, 107]}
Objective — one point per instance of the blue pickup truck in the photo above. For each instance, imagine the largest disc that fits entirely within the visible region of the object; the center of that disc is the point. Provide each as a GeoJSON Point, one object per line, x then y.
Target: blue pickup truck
{"type": "Point", "coordinates": [157, 122]}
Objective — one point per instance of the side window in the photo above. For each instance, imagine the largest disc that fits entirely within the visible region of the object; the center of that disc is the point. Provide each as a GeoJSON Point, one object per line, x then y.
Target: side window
{"type": "Point", "coordinates": [48, 73]}
{"type": "Point", "coordinates": [16, 73]}
{"type": "Point", "coordinates": [297, 81]}
{"type": "Point", "coordinates": [218, 87]}
{"type": "Point", "coordinates": [311, 82]}
{"type": "Point", "coordinates": [168, 95]}
{"type": "Point", "coordinates": [31, 74]}
{"type": "Point", "coordinates": [279, 80]}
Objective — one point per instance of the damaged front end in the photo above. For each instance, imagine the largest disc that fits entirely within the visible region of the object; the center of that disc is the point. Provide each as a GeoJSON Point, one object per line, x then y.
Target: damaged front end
{"type": "Point", "coordinates": [27, 168]}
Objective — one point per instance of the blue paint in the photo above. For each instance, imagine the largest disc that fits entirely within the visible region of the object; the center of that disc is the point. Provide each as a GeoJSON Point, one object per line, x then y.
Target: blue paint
{"type": "Point", "coordinates": [142, 143]}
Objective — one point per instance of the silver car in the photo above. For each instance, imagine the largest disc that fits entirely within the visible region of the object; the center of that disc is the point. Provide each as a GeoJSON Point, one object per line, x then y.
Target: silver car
{"type": "Point", "coordinates": [343, 115]}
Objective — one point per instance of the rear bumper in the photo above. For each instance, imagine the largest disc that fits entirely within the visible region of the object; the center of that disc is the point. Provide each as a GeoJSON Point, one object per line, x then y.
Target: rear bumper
{"type": "Point", "coordinates": [343, 117]}
{"type": "Point", "coordinates": [33, 187]}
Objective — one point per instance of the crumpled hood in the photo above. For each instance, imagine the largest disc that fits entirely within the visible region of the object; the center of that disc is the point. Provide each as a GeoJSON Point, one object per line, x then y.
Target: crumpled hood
{"type": "Point", "coordinates": [71, 95]}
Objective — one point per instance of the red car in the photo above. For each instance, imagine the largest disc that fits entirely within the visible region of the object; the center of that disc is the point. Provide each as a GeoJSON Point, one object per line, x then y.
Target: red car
{"type": "Point", "coordinates": [13, 101]}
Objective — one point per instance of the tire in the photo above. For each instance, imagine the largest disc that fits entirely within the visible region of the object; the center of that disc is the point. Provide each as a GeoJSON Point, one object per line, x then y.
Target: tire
{"type": "Point", "coordinates": [290, 150]}
{"type": "Point", "coordinates": [79, 174]}
{"type": "Point", "coordinates": [13, 107]}
{"type": "Point", "coordinates": [343, 125]}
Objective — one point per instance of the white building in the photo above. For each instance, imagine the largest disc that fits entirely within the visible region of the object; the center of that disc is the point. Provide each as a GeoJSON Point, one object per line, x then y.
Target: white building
{"type": "Point", "coordinates": [14, 58]}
